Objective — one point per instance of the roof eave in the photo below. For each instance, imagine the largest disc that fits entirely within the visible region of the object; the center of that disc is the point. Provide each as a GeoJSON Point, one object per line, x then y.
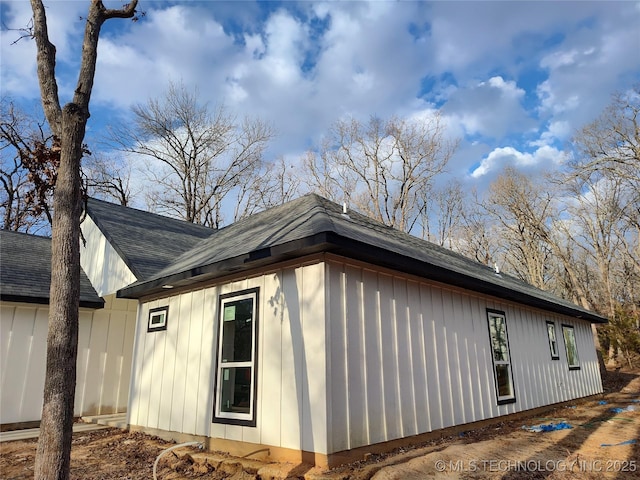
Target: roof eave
{"type": "Point", "coordinates": [254, 259]}
{"type": "Point", "coordinates": [348, 247]}
{"type": "Point", "coordinates": [93, 304]}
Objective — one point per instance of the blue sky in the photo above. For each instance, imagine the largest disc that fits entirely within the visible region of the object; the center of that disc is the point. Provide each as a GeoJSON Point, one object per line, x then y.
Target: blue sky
{"type": "Point", "coordinates": [513, 80]}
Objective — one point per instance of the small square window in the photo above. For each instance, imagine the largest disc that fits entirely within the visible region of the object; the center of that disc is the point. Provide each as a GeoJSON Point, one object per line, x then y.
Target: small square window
{"type": "Point", "coordinates": [158, 319]}
{"type": "Point", "coordinates": [553, 341]}
{"type": "Point", "coordinates": [571, 347]}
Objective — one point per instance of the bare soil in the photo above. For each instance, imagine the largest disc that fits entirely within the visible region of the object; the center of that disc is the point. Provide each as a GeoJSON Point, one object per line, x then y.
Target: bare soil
{"type": "Point", "coordinates": [503, 450]}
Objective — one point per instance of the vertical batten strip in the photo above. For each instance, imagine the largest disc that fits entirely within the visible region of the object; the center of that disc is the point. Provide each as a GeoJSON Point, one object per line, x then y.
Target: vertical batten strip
{"type": "Point", "coordinates": [384, 432]}
{"type": "Point", "coordinates": [423, 380]}
{"type": "Point", "coordinates": [435, 394]}
{"type": "Point", "coordinates": [364, 357]}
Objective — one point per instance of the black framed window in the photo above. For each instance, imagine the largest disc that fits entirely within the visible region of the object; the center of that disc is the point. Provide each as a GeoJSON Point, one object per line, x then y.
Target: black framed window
{"type": "Point", "coordinates": [553, 340]}
{"type": "Point", "coordinates": [235, 395]}
{"type": "Point", "coordinates": [501, 357]}
{"type": "Point", "coordinates": [571, 347]}
{"type": "Point", "coordinates": [158, 319]}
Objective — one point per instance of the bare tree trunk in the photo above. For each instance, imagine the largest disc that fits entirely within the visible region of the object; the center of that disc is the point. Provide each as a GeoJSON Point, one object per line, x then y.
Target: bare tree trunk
{"type": "Point", "coordinates": [68, 125]}
{"type": "Point", "coordinates": [62, 340]}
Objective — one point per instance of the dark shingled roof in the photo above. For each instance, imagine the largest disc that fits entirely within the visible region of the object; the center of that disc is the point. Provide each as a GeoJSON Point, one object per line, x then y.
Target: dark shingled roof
{"type": "Point", "coordinates": [145, 241]}
{"type": "Point", "coordinates": [314, 224]}
{"type": "Point", "coordinates": [25, 271]}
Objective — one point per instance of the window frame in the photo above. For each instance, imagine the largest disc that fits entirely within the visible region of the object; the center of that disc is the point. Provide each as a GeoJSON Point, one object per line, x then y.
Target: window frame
{"type": "Point", "coordinates": [501, 399]}
{"type": "Point", "coordinates": [571, 328]}
{"type": "Point", "coordinates": [236, 418]}
{"type": "Point", "coordinates": [155, 312]}
{"type": "Point", "coordinates": [553, 343]}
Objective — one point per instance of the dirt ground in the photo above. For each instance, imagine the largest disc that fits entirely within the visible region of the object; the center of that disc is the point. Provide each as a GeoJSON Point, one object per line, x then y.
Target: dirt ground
{"type": "Point", "coordinates": [599, 445]}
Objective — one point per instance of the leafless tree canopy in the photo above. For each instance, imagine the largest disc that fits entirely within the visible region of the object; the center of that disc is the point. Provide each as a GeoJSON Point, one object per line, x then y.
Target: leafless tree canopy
{"type": "Point", "coordinates": [524, 212]}
{"type": "Point", "coordinates": [385, 169]}
{"type": "Point", "coordinates": [109, 178]}
{"type": "Point", "coordinates": [24, 207]}
{"type": "Point", "coordinates": [577, 231]}
{"type": "Point", "coordinates": [276, 183]}
{"type": "Point", "coordinates": [195, 155]}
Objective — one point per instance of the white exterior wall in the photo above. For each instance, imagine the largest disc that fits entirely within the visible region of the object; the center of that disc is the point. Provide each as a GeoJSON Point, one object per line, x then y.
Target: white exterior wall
{"type": "Point", "coordinates": [408, 357]}
{"type": "Point", "coordinates": [350, 355]}
{"type": "Point", "coordinates": [105, 343]}
{"type": "Point", "coordinates": [104, 267]}
{"type": "Point", "coordinates": [172, 386]}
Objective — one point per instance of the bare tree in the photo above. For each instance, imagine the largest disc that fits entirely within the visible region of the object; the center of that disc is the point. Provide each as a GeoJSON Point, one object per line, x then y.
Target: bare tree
{"type": "Point", "coordinates": [16, 215]}
{"type": "Point", "coordinates": [609, 148]}
{"type": "Point", "coordinates": [195, 156]}
{"type": "Point", "coordinates": [68, 125]}
{"type": "Point", "coordinates": [610, 145]}
{"type": "Point", "coordinates": [604, 182]}
{"type": "Point", "coordinates": [475, 236]}
{"type": "Point", "coordinates": [385, 169]}
{"type": "Point", "coordinates": [442, 218]}
{"type": "Point", "coordinates": [524, 211]}
{"type": "Point", "coordinates": [108, 178]}
{"type": "Point", "coordinates": [29, 163]}
{"type": "Point", "coordinates": [276, 183]}
{"type": "Point", "coordinates": [597, 230]}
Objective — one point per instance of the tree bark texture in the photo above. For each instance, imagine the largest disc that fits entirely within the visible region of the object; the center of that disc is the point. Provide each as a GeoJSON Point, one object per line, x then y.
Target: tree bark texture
{"type": "Point", "coordinates": [54, 444]}
{"type": "Point", "coordinates": [68, 124]}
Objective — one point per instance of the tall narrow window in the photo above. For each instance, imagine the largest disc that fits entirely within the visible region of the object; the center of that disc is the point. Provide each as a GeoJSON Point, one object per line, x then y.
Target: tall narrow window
{"type": "Point", "coordinates": [571, 347]}
{"type": "Point", "coordinates": [236, 370]}
{"type": "Point", "coordinates": [501, 357]}
{"type": "Point", "coordinates": [553, 342]}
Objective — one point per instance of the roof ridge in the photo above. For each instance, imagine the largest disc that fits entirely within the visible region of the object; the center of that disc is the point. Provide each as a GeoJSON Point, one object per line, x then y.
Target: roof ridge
{"type": "Point", "coordinates": [322, 204]}
{"type": "Point", "coordinates": [143, 240]}
{"type": "Point", "coordinates": [24, 233]}
{"type": "Point", "coordinates": [154, 214]}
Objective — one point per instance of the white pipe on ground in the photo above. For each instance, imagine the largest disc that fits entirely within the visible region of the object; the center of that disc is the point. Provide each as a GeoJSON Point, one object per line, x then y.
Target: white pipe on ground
{"type": "Point", "coordinates": [186, 444]}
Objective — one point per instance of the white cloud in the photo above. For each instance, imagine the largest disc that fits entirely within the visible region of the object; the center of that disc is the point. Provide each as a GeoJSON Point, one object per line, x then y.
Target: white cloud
{"type": "Point", "coordinates": [286, 40]}
{"type": "Point", "coordinates": [505, 72]}
{"type": "Point", "coordinates": [491, 108]}
{"type": "Point", "coordinates": [542, 158]}
{"type": "Point", "coordinates": [171, 45]}
{"type": "Point", "coordinates": [592, 62]}
{"type": "Point", "coordinates": [557, 131]}
{"type": "Point", "coordinates": [18, 74]}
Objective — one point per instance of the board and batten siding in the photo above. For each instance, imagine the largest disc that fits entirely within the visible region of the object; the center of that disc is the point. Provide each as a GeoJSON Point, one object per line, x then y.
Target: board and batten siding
{"type": "Point", "coordinates": [407, 357]}
{"type": "Point", "coordinates": [101, 263]}
{"type": "Point", "coordinates": [172, 386]}
{"type": "Point", "coordinates": [105, 345]}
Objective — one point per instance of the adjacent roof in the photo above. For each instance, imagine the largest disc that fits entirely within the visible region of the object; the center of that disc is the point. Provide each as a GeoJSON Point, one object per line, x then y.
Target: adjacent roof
{"type": "Point", "coordinates": [25, 271]}
{"type": "Point", "coordinates": [314, 224]}
{"type": "Point", "coordinates": [146, 242]}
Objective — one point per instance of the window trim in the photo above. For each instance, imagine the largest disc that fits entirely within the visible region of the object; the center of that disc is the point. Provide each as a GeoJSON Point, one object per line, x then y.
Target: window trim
{"type": "Point", "coordinates": [230, 418]}
{"type": "Point", "coordinates": [501, 400]}
{"type": "Point", "coordinates": [154, 312]}
{"type": "Point", "coordinates": [571, 328]}
{"type": "Point", "coordinates": [554, 355]}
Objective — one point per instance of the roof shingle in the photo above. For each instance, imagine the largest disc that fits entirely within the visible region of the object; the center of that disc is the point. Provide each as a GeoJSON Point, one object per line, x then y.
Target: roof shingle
{"type": "Point", "coordinates": [311, 224]}
{"type": "Point", "coordinates": [146, 242]}
{"type": "Point", "coordinates": [25, 271]}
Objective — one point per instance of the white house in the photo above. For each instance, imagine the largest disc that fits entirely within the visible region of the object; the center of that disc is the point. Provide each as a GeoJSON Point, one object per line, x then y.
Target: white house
{"type": "Point", "coordinates": [107, 323]}
{"type": "Point", "coordinates": [309, 333]}
{"type": "Point", "coordinates": [105, 337]}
